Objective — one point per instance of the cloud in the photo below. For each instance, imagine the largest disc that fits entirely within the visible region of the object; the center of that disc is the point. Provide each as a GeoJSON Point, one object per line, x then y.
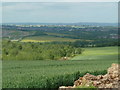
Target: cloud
{"type": "Point", "coordinates": [59, 12]}
{"type": "Point", "coordinates": [23, 6]}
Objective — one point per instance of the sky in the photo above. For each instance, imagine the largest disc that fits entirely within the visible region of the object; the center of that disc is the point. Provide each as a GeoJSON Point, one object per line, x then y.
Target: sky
{"type": "Point", "coordinates": [60, 0]}
{"type": "Point", "coordinates": [59, 12]}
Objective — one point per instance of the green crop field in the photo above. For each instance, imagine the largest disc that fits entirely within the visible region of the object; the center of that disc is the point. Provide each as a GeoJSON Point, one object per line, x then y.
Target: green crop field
{"type": "Point", "coordinates": [46, 39]}
{"type": "Point", "coordinates": [103, 53]}
{"type": "Point", "coordinates": [59, 34]}
{"type": "Point", "coordinates": [52, 74]}
{"type": "Point", "coordinates": [0, 73]}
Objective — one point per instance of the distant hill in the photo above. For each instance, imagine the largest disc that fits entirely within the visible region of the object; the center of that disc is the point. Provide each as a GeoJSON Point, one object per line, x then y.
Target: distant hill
{"type": "Point", "coordinates": [79, 23]}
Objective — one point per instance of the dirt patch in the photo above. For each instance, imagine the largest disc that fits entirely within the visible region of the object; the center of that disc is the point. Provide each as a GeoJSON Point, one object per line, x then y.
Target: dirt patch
{"type": "Point", "coordinates": [65, 58]}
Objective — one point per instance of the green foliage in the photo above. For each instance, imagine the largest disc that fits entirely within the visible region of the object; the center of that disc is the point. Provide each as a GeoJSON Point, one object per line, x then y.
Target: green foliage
{"type": "Point", "coordinates": [37, 51]}
{"type": "Point", "coordinates": [96, 43]}
{"type": "Point", "coordinates": [39, 33]}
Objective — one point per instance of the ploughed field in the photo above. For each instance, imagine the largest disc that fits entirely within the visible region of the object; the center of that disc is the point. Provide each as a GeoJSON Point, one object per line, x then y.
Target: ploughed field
{"type": "Point", "coordinates": [55, 73]}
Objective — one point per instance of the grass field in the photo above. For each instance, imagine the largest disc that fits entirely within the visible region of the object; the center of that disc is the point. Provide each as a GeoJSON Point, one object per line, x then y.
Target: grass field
{"type": "Point", "coordinates": [102, 53]}
{"type": "Point", "coordinates": [52, 74]}
{"type": "Point", "coordinates": [46, 39]}
{"type": "Point", "coordinates": [0, 73]}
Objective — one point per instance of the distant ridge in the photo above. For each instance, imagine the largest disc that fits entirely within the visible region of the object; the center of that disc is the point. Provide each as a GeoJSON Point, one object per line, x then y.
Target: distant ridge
{"type": "Point", "coordinates": [79, 23]}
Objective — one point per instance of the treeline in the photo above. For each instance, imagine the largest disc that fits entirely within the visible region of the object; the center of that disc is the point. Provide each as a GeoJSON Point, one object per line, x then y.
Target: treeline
{"type": "Point", "coordinates": [37, 51]}
{"type": "Point", "coordinates": [50, 50]}
{"type": "Point", "coordinates": [96, 43]}
{"type": "Point", "coordinates": [90, 43]}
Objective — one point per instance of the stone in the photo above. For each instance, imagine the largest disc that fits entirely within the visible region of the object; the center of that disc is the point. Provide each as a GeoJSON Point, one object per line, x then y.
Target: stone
{"type": "Point", "coordinates": [109, 80]}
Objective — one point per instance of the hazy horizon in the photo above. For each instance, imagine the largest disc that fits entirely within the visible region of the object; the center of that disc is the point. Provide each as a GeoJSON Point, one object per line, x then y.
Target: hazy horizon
{"type": "Point", "coordinates": [64, 22]}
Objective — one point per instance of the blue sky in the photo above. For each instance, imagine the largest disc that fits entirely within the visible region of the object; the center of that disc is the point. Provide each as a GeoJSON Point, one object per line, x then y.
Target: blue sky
{"type": "Point", "coordinates": [60, 12]}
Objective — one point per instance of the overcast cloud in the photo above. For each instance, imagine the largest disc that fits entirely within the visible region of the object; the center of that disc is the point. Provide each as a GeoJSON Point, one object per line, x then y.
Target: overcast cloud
{"type": "Point", "coordinates": [60, 12]}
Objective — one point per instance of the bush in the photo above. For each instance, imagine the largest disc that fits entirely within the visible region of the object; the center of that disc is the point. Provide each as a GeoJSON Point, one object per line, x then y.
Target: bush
{"type": "Point", "coordinates": [37, 51]}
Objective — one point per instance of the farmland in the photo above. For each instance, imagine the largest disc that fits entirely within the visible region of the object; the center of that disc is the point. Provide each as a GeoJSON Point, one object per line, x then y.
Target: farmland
{"type": "Point", "coordinates": [59, 31]}
{"type": "Point", "coordinates": [0, 74]}
{"type": "Point", "coordinates": [104, 53]}
{"type": "Point", "coordinates": [47, 45]}
{"type": "Point", "coordinates": [52, 74]}
{"type": "Point", "coordinates": [46, 39]}
{"type": "Point", "coordinates": [49, 56]}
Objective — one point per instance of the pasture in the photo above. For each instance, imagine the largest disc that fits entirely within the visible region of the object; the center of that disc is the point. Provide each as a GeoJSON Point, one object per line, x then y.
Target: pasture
{"type": "Point", "coordinates": [52, 74]}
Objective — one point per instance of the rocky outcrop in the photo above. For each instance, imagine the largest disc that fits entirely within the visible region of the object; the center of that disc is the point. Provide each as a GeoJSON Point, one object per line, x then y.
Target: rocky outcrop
{"type": "Point", "coordinates": [109, 80]}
